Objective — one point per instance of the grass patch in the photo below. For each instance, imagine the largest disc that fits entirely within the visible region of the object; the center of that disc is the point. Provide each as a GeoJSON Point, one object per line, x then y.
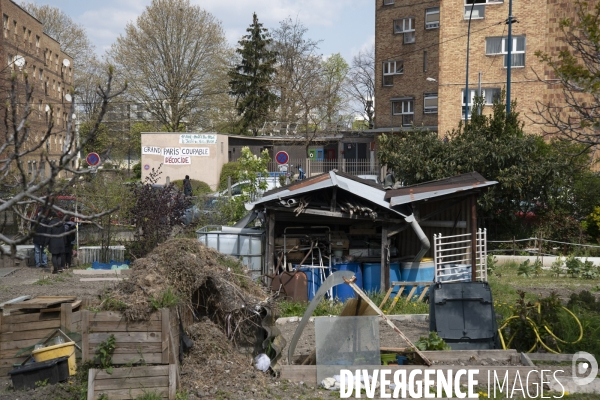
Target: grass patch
{"type": "Point", "coordinates": [52, 279]}
{"type": "Point", "coordinates": [333, 307]}
{"type": "Point", "coordinates": [165, 299]}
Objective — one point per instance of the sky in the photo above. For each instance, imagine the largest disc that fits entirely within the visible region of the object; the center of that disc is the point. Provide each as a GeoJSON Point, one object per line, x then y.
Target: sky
{"type": "Point", "coordinates": [342, 26]}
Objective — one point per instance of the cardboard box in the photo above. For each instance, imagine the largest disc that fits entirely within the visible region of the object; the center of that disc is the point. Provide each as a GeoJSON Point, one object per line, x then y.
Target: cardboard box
{"type": "Point", "coordinates": [339, 240]}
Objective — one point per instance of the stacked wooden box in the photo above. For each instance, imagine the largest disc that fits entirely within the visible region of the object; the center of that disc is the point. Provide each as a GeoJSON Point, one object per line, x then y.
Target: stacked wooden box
{"type": "Point", "coordinates": [155, 341]}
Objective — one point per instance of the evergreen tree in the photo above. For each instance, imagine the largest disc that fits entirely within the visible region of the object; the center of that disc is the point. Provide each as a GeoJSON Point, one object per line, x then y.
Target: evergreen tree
{"type": "Point", "coordinates": [251, 79]}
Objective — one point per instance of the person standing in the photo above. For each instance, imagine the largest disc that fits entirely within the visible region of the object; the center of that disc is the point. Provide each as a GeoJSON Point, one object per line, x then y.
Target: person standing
{"type": "Point", "coordinates": [40, 241]}
{"type": "Point", "coordinates": [57, 243]}
{"type": "Point", "coordinates": [187, 186]}
{"type": "Point", "coordinates": [69, 239]}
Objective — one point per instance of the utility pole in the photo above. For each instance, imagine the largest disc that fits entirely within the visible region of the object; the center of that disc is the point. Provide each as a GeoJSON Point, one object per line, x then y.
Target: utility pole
{"type": "Point", "coordinates": [467, 94]}
{"type": "Point", "coordinates": [509, 60]}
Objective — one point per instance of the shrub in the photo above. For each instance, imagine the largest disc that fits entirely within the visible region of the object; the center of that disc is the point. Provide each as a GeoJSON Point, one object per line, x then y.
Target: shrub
{"type": "Point", "coordinates": [229, 170]}
{"type": "Point", "coordinates": [198, 187]}
{"type": "Point", "coordinates": [137, 171]}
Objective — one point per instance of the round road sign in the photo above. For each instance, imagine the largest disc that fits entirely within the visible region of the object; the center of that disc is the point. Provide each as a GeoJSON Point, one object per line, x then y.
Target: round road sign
{"type": "Point", "coordinates": [146, 167]}
{"type": "Point", "coordinates": [93, 159]}
{"type": "Point", "coordinates": [282, 157]}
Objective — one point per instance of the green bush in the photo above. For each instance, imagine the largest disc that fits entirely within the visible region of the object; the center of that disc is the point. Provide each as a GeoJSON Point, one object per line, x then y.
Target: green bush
{"type": "Point", "coordinates": [198, 187]}
{"type": "Point", "coordinates": [229, 170]}
{"type": "Point", "coordinates": [137, 171]}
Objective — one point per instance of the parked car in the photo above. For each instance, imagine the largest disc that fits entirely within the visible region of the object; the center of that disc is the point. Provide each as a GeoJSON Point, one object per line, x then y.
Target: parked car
{"type": "Point", "coordinates": [239, 187]}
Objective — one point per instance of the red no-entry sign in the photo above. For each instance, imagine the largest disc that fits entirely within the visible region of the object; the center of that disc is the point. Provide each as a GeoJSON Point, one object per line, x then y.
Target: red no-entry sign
{"type": "Point", "coordinates": [93, 159]}
{"type": "Point", "coordinates": [282, 157]}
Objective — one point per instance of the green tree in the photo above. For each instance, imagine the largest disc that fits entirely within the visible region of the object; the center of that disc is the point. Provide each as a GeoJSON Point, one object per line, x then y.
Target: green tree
{"type": "Point", "coordinates": [250, 81]}
{"type": "Point", "coordinates": [530, 171]}
{"type": "Point", "coordinates": [335, 70]}
{"type": "Point", "coordinates": [577, 117]}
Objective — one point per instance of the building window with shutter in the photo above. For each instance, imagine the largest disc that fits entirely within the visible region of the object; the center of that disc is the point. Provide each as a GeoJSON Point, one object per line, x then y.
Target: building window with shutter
{"type": "Point", "coordinates": [406, 108]}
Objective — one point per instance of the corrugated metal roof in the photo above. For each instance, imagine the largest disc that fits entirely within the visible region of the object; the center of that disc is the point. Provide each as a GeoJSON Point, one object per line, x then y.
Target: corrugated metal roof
{"type": "Point", "coordinates": [357, 186]}
{"type": "Point", "coordinates": [460, 183]}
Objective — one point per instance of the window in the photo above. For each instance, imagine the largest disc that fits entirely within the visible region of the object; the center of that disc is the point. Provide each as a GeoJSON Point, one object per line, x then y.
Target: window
{"type": "Point", "coordinates": [24, 34]}
{"type": "Point", "coordinates": [388, 2]}
{"type": "Point", "coordinates": [470, 103]}
{"type": "Point", "coordinates": [432, 18]}
{"type": "Point", "coordinates": [56, 62]}
{"type": "Point", "coordinates": [430, 103]}
{"type": "Point", "coordinates": [15, 28]}
{"type": "Point", "coordinates": [41, 74]}
{"type": "Point", "coordinates": [37, 44]}
{"type": "Point", "coordinates": [491, 94]}
{"type": "Point", "coordinates": [499, 46]}
{"type": "Point", "coordinates": [5, 24]}
{"type": "Point", "coordinates": [478, 12]}
{"type": "Point", "coordinates": [404, 107]}
{"type": "Point", "coordinates": [391, 68]}
{"type": "Point", "coordinates": [407, 27]}
{"type": "Point", "coordinates": [9, 61]}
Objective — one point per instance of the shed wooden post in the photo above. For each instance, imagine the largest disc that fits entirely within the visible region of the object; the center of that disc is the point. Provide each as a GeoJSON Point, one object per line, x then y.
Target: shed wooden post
{"type": "Point", "coordinates": [385, 267]}
{"type": "Point", "coordinates": [270, 247]}
{"type": "Point", "coordinates": [473, 238]}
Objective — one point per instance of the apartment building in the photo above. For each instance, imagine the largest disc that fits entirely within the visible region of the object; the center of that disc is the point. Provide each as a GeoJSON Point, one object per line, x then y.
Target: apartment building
{"type": "Point", "coordinates": [421, 56]}
{"type": "Point", "coordinates": [25, 47]}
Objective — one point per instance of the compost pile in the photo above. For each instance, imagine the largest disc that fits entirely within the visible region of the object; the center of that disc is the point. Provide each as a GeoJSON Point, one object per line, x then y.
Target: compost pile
{"type": "Point", "coordinates": [209, 282]}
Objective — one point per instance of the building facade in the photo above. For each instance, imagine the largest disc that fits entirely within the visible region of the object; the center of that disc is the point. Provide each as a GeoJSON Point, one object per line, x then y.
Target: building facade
{"type": "Point", "coordinates": [421, 56]}
{"type": "Point", "coordinates": [24, 47]}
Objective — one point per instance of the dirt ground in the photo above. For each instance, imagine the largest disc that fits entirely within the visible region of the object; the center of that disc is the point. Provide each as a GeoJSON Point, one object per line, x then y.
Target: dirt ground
{"type": "Point", "coordinates": [37, 281]}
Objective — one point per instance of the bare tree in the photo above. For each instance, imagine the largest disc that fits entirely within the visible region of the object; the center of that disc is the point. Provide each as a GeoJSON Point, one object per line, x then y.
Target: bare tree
{"type": "Point", "coordinates": [173, 58]}
{"type": "Point", "coordinates": [361, 84]}
{"type": "Point", "coordinates": [576, 68]}
{"type": "Point", "coordinates": [21, 190]}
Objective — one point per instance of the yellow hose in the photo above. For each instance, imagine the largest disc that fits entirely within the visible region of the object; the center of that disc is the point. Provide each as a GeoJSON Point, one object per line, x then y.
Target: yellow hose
{"type": "Point", "coordinates": [537, 334]}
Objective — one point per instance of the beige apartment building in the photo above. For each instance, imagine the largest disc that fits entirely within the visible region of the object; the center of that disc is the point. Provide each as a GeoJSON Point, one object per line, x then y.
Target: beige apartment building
{"type": "Point", "coordinates": [421, 50]}
{"type": "Point", "coordinates": [25, 47]}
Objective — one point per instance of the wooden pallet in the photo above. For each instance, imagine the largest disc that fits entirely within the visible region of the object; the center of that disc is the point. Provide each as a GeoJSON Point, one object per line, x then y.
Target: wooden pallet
{"type": "Point", "coordinates": [38, 303]}
{"type": "Point", "coordinates": [402, 286]}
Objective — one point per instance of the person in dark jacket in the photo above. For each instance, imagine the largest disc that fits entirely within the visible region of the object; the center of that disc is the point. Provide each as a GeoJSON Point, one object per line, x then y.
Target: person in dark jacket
{"type": "Point", "coordinates": [57, 243]}
{"type": "Point", "coordinates": [187, 186]}
{"type": "Point", "coordinates": [69, 239]}
{"type": "Point", "coordinates": [40, 241]}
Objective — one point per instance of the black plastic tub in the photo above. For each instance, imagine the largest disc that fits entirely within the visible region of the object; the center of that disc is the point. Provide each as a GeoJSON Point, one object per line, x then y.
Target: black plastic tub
{"type": "Point", "coordinates": [49, 372]}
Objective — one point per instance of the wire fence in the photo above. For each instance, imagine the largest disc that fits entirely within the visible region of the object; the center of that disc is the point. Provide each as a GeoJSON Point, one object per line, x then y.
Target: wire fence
{"type": "Point", "coordinates": [314, 167]}
{"type": "Point", "coordinates": [540, 246]}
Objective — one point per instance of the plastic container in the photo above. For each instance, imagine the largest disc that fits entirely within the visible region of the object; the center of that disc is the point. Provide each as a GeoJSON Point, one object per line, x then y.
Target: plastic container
{"type": "Point", "coordinates": [51, 371]}
{"type": "Point", "coordinates": [344, 292]}
{"type": "Point", "coordinates": [425, 272]}
{"type": "Point", "coordinates": [313, 280]}
{"type": "Point", "coordinates": [56, 351]}
{"type": "Point", "coordinates": [401, 360]}
{"type": "Point", "coordinates": [387, 358]}
{"type": "Point", "coordinates": [372, 276]}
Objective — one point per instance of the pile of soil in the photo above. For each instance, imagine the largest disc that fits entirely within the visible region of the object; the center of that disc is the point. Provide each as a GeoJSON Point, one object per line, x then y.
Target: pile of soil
{"type": "Point", "coordinates": [215, 366]}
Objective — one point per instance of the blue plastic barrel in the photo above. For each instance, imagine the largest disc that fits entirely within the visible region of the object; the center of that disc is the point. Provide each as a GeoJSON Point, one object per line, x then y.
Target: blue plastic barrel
{"type": "Point", "coordinates": [372, 276]}
{"type": "Point", "coordinates": [344, 291]}
{"type": "Point", "coordinates": [313, 280]}
{"type": "Point", "coordinates": [425, 272]}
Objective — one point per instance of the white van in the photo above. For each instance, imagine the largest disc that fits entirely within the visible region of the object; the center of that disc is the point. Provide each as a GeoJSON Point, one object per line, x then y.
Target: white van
{"type": "Point", "coordinates": [237, 188]}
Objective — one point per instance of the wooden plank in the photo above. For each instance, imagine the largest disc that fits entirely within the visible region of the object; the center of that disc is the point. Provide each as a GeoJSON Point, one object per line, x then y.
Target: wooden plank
{"type": "Point", "coordinates": [122, 326]}
{"type": "Point", "coordinates": [76, 317]}
{"type": "Point", "coordinates": [39, 302]}
{"type": "Point", "coordinates": [126, 337]}
{"type": "Point", "coordinates": [129, 394]}
{"type": "Point", "coordinates": [113, 316]}
{"type": "Point", "coordinates": [149, 358]}
{"type": "Point", "coordinates": [57, 309]}
{"type": "Point", "coordinates": [35, 334]}
{"type": "Point", "coordinates": [133, 348]}
{"type": "Point", "coordinates": [66, 309]}
{"type": "Point", "coordinates": [172, 381]}
{"type": "Point", "coordinates": [134, 372]}
{"type": "Point", "coordinates": [51, 323]}
{"type": "Point", "coordinates": [308, 373]}
{"type": "Point", "coordinates": [387, 296]}
{"type": "Point", "coordinates": [18, 344]}
{"type": "Point", "coordinates": [29, 317]}
{"type": "Point", "coordinates": [132, 383]}
{"type": "Point", "coordinates": [460, 355]}
{"type": "Point", "coordinates": [423, 293]}
{"type": "Point", "coordinates": [410, 295]}
{"type": "Point", "coordinates": [525, 360]}
{"type": "Point", "coordinates": [85, 343]}
{"type": "Point", "coordinates": [91, 375]}
{"type": "Point", "coordinates": [165, 334]}
{"type": "Point", "coordinates": [550, 357]}
{"type": "Point", "coordinates": [397, 297]}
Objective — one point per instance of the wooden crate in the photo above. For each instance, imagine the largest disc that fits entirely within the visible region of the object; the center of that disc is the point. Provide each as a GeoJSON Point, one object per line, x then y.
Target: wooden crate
{"type": "Point", "coordinates": [20, 330]}
{"type": "Point", "coordinates": [131, 382]}
{"type": "Point", "coordinates": [155, 341]}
